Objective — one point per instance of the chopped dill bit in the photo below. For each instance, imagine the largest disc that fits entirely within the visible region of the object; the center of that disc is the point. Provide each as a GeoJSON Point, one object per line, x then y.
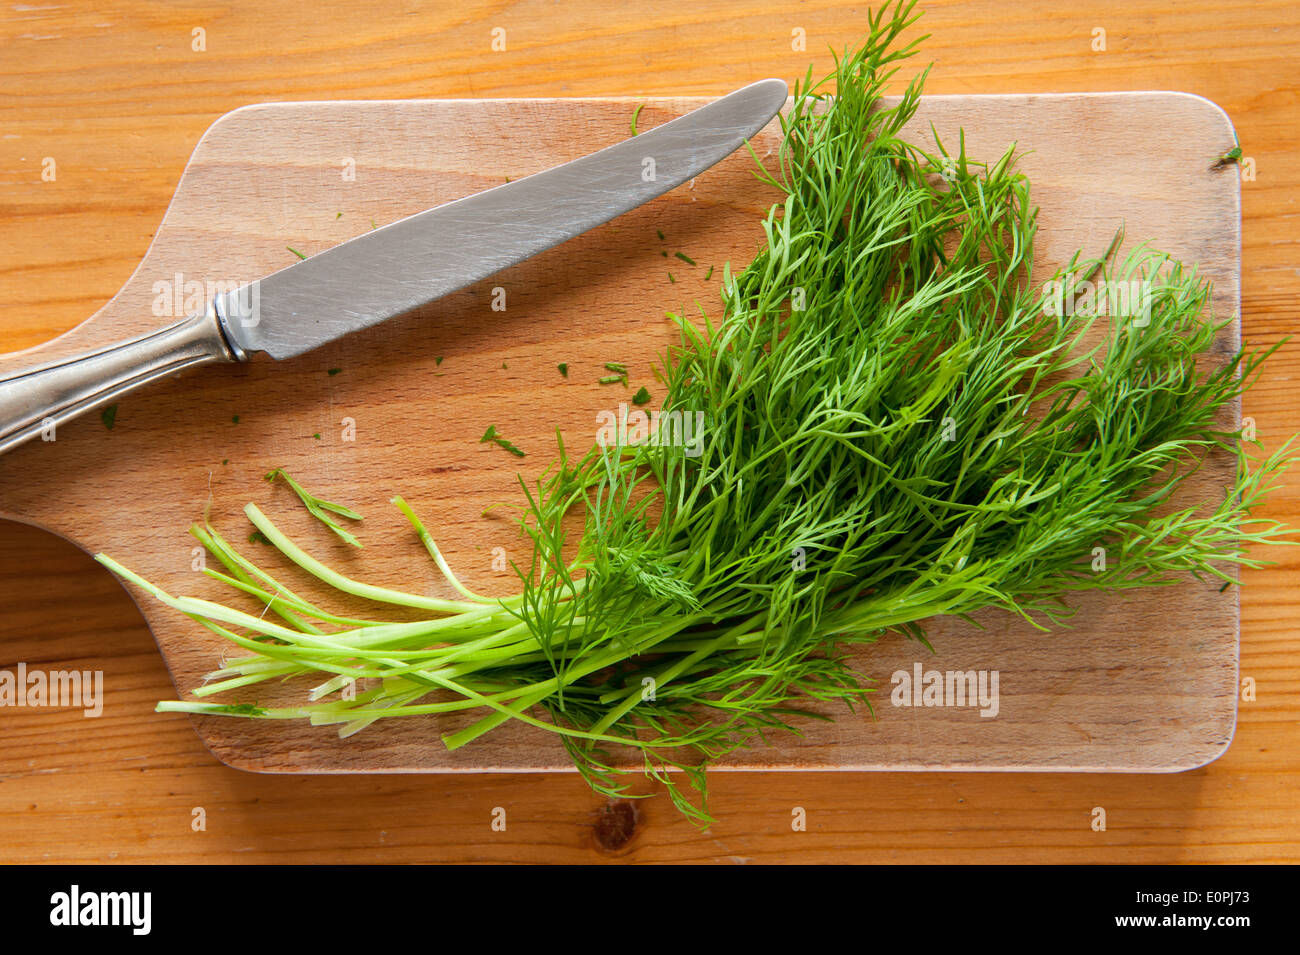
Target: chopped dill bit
{"type": "Point", "coordinates": [685, 258]}
{"type": "Point", "coordinates": [505, 366]}
{"type": "Point", "coordinates": [617, 366]}
{"type": "Point", "coordinates": [295, 252]}
{"type": "Point", "coordinates": [635, 113]}
{"type": "Point", "coordinates": [320, 509]}
{"type": "Point", "coordinates": [257, 537]}
{"type": "Point", "coordinates": [671, 279]}
{"type": "Point", "coordinates": [1233, 155]}
{"type": "Point", "coordinates": [225, 460]}
{"type": "Point", "coordinates": [709, 274]}
{"type": "Point", "coordinates": [564, 369]}
{"type": "Point", "coordinates": [338, 215]}
{"type": "Point", "coordinates": [333, 371]}
{"type": "Point", "coordinates": [234, 709]}
{"type": "Point", "coordinates": [373, 227]}
{"type": "Point", "coordinates": [491, 435]}
{"type": "Point", "coordinates": [664, 253]}
{"type": "Point", "coordinates": [316, 435]}
{"type": "Point", "coordinates": [642, 396]}
{"type": "Point", "coordinates": [437, 359]}
{"type": "Point", "coordinates": [611, 379]}
{"type": "Point", "coordinates": [242, 709]}
{"type": "Point", "coordinates": [234, 419]}
{"type": "Point", "coordinates": [660, 233]}
{"type": "Point", "coordinates": [507, 178]}
{"type": "Point", "coordinates": [109, 416]}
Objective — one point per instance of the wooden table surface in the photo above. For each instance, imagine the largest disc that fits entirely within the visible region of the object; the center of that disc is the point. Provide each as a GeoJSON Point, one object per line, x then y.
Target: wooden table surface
{"type": "Point", "coordinates": [117, 99]}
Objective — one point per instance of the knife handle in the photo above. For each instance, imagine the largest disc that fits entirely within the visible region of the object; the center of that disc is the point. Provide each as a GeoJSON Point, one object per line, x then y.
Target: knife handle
{"type": "Point", "coordinates": [33, 399]}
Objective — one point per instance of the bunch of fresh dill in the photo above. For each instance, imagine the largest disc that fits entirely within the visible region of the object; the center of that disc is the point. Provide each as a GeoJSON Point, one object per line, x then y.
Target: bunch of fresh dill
{"type": "Point", "coordinates": [898, 425]}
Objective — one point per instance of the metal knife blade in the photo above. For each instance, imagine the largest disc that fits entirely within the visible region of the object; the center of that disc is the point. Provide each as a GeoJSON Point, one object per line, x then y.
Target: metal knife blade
{"type": "Point", "coordinates": [420, 258]}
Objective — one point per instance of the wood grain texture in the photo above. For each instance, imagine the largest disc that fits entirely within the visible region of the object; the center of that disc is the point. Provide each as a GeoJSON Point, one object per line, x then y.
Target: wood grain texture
{"type": "Point", "coordinates": [1235, 809]}
{"type": "Point", "coordinates": [409, 400]}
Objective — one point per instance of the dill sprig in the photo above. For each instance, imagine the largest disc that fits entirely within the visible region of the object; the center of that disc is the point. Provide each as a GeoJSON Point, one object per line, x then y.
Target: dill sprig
{"type": "Point", "coordinates": [921, 434]}
{"type": "Point", "coordinates": [320, 509]}
{"type": "Point", "coordinates": [491, 435]}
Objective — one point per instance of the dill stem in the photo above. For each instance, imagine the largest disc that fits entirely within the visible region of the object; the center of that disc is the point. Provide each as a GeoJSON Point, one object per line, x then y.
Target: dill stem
{"type": "Point", "coordinates": [221, 709]}
{"type": "Point", "coordinates": [235, 683]}
{"type": "Point", "coordinates": [283, 602]}
{"type": "Point", "coordinates": [540, 691]}
{"type": "Point", "coordinates": [244, 570]}
{"type": "Point", "coordinates": [339, 581]}
{"type": "Point", "coordinates": [431, 546]}
{"type": "Point", "coordinates": [661, 679]}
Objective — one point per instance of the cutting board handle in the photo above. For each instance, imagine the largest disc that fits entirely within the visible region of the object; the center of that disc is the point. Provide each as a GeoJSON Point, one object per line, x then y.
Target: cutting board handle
{"type": "Point", "coordinates": [35, 400]}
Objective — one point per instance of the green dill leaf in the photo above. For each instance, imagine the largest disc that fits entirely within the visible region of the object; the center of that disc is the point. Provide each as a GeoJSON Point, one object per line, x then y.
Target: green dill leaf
{"type": "Point", "coordinates": [237, 709]}
{"type": "Point", "coordinates": [491, 435]}
{"type": "Point", "coordinates": [108, 415]}
{"type": "Point", "coordinates": [1233, 155]}
{"type": "Point", "coordinates": [295, 252]}
{"type": "Point", "coordinates": [642, 396]}
{"type": "Point", "coordinates": [685, 258]}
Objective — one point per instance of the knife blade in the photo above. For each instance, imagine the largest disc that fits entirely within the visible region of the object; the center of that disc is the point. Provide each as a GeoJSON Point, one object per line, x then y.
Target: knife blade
{"type": "Point", "coordinates": [394, 269]}
{"type": "Point", "coordinates": [420, 258]}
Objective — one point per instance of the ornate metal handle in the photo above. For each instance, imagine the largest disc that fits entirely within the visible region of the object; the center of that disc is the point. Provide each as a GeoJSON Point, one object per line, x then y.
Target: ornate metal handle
{"type": "Point", "coordinates": [50, 394]}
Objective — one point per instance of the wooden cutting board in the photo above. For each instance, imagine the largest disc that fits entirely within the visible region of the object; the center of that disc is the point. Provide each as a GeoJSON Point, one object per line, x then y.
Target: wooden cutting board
{"type": "Point", "coordinates": [1143, 682]}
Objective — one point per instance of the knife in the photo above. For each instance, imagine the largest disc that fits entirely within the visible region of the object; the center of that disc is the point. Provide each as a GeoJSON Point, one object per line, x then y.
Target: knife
{"type": "Point", "coordinates": [391, 270]}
